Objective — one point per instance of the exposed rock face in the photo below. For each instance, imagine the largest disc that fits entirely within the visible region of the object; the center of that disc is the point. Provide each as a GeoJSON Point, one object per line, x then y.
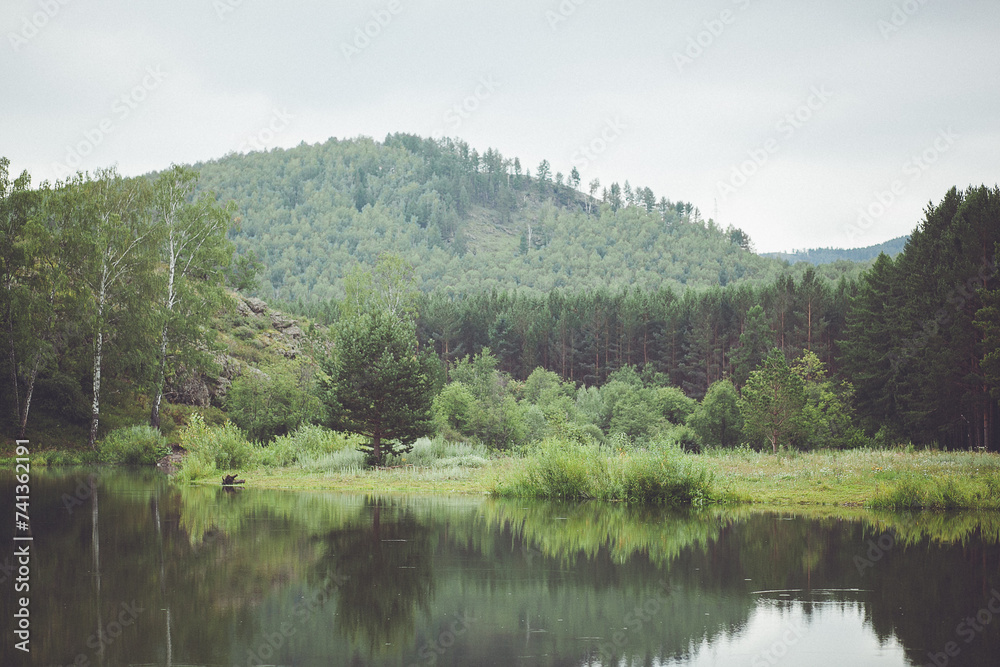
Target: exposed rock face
{"type": "Point", "coordinates": [189, 389]}
{"type": "Point", "coordinates": [281, 323]}
{"type": "Point", "coordinates": [256, 305]}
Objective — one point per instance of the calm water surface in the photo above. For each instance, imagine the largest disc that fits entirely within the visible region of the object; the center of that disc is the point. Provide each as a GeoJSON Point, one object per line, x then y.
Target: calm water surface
{"type": "Point", "coordinates": [128, 569]}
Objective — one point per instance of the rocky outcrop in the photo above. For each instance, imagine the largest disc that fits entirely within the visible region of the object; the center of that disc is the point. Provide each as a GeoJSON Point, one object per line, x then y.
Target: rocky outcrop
{"type": "Point", "coordinates": [189, 388]}
{"type": "Point", "coordinates": [256, 305]}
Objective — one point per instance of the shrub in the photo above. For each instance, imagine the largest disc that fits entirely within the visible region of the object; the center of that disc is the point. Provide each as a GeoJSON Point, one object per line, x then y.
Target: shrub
{"type": "Point", "coordinates": [560, 469]}
{"type": "Point", "coordinates": [717, 421]}
{"type": "Point", "coordinates": [133, 445]}
{"type": "Point", "coordinates": [673, 404]}
{"type": "Point", "coordinates": [345, 460]}
{"type": "Point", "coordinates": [212, 449]}
{"type": "Point", "coordinates": [308, 441]}
{"type": "Point", "coordinates": [657, 477]}
{"type": "Point", "coordinates": [453, 410]}
{"type": "Point", "coordinates": [276, 402]}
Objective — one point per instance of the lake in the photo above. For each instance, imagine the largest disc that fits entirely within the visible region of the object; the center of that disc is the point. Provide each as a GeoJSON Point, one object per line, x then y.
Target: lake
{"type": "Point", "coordinates": [129, 569]}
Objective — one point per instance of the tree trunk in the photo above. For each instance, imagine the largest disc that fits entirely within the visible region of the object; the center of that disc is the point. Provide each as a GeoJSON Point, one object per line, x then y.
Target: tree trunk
{"type": "Point", "coordinates": [28, 392]}
{"type": "Point", "coordinates": [95, 411]}
{"type": "Point", "coordinates": [154, 417]}
{"type": "Point", "coordinates": [95, 539]}
{"type": "Point", "coordinates": [377, 448]}
{"type": "Point", "coordinates": [34, 369]}
{"type": "Point", "coordinates": [13, 364]}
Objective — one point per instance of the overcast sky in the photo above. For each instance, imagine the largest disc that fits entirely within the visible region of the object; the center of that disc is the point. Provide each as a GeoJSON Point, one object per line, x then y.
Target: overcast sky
{"type": "Point", "coordinates": [787, 118]}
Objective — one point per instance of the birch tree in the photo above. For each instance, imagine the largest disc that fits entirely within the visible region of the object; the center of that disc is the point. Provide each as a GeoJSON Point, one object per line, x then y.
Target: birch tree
{"type": "Point", "coordinates": [116, 223]}
{"type": "Point", "coordinates": [194, 253]}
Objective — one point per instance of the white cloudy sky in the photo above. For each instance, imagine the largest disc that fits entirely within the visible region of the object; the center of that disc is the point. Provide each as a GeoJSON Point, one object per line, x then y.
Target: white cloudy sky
{"type": "Point", "coordinates": [908, 102]}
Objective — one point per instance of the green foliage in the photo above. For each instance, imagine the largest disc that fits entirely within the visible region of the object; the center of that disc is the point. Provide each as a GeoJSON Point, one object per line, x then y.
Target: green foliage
{"type": "Point", "coordinates": [133, 445]}
{"type": "Point", "coordinates": [939, 493]}
{"type": "Point", "coordinates": [343, 461]}
{"type": "Point", "coordinates": [431, 201]}
{"type": "Point", "coordinates": [274, 401]}
{"type": "Point", "coordinates": [911, 347]}
{"type": "Point", "coordinates": [673, 404]}
{"type": "Point", "coordinates": [453, 411]}
{"type": "Point", "coordinates": [214, 449]}
{"type": "Point", "coordinates": [440, 453]}
{"type": "Point", "coordinates": [626, 375]}
{"type": "Point", "coordinates": [755, 342]}
{"type": "Point", "coordinates": [560, 469]}
{"type": "Point", "coordinates": [772, 402]}
{"type": "Point", "coordinates": [493, 416]}
{"type": "Point", "coordinates": [308, 442]}
{"type": "Point", "coordinates": [389, 287]}
{"type": "Point", "coordinates": [377, 386]}
{"type": "Point", "coordinates": [717, 421]}
{"type": "Point", "coordinates": [590, 406]}
{"type": "Point", "coordinates": [827, 418]}
{"type": "Point", "coordinates": [633, 411]}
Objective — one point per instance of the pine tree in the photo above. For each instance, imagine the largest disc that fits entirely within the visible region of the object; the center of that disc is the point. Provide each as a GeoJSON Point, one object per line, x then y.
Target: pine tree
{"type": "Point", "coordinates": [377, 385]}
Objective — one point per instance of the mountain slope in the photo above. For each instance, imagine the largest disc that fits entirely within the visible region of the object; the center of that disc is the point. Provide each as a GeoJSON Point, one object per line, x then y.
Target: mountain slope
{"type": "Point", "coordinates": [818, 256]}
{"type": "Point", "coordinates": [467, 222]}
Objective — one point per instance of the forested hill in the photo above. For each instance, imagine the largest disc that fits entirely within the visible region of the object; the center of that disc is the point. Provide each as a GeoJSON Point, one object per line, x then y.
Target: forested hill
{"type": "Point", "coordinates": [818, 256]}
{"type": "Point", "coordinates": [468, 222]}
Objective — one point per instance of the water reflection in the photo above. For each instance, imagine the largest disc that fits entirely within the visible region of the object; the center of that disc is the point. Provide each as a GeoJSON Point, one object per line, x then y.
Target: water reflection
{"type": "Point", "coordinates": [134, 570]}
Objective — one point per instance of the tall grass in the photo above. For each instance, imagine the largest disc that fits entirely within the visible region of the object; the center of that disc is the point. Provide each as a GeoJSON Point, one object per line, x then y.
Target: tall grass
{"type": "Point", "coordinates": [213, 448]}
{"type": "Point", "coordinates": [944, 493]}
{"type": "Point", "coordinates": [560, 469]}
{"type": "Point", "coordinates": [133, 445]}
{"type": "Point", "coordinates": [441, 453]}
{"type": "Point", "coordinates": [307, 442]}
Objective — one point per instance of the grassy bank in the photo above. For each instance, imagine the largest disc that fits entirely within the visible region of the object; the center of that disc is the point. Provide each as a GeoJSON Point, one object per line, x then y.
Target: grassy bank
{"type": "Point", "coordinates": [886, 479]}
{"type": "Point", "coordinates": [878, 479]}
{"type": "Point", "coordinates": [894, 479]}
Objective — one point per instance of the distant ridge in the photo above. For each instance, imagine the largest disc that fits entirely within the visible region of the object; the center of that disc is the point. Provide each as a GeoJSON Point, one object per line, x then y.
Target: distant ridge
{"type": "Point", "coordinates": [819, 256]}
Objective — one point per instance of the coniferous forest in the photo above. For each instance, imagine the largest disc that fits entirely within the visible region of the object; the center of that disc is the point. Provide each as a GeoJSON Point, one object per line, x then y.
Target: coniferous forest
{"type": "Point", "coordinates": [548, 303]}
